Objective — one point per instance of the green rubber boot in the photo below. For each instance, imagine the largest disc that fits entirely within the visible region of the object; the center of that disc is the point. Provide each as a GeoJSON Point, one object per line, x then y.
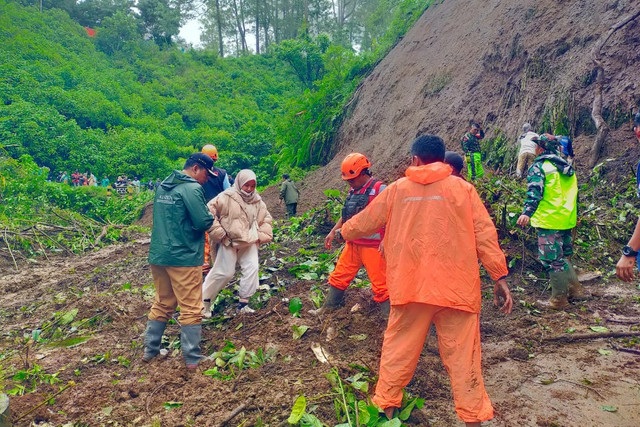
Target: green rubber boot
{"type": "Point", "coordinates": [559, 289]}
{"type": "Point", "coordinates": [153, 339]}
{"type": "Point", "coordinates": [190, 343]}
{"type": "Point", "coordinates": [575, 288]}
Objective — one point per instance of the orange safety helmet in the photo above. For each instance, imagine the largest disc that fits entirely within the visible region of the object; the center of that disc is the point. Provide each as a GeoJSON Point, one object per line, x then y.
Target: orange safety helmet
{"type": "Point", "coordinates": [353, 164]}
{"type": "Point", "coordinates": [211, 151]}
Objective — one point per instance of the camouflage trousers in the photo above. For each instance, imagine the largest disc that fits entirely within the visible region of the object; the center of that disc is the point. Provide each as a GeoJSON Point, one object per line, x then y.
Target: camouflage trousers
{"type": "Point", "coordinates": [553, 247]}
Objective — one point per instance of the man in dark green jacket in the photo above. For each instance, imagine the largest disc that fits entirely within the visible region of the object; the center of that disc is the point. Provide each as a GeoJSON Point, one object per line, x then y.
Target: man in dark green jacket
{"type": "Point", "coordinates": [290, 194]}
{"type": "Point", "coordinates": [180, 219]}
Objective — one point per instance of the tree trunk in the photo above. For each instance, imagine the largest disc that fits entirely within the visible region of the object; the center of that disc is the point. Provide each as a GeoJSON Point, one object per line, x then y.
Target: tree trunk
{"type": "Point", "coordinates": [257, 27]}
{"type": "Point", "coordinates": [596, 108]}
{"type": "Point", "coordinates": [219, 23]}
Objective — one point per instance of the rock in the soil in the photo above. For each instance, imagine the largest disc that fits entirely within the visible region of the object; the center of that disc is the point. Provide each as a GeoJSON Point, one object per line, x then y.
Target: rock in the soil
{"type": "Point", "coordinates": [589, 276]}
{"type": "Point", "coordinates": [356, 307]}
{"type": "Point", "coordinates": [331, 333]}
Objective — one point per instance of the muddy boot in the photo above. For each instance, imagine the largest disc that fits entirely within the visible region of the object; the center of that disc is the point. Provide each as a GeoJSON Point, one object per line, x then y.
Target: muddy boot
{"type": "Point", "coordinates": [190, 343]}
{"type": "Point", "coordinates": [334, 300]}
{"type": "Point", "coordinates": [385, 308]}
{"type": "Point", "coordinates": [559, 284]}
{"type": "Point", "coordinates": [575, 288]}
{"type": "Point", "coordinates": [152, 339]}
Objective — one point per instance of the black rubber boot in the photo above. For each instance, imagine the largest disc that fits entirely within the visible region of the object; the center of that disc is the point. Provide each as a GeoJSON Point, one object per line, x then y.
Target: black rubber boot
{"type": "Point", "coordinates": [190, 343]}
{"type": "Point", "coordinates": [385, 308]}
{"type": "Point", "coordinates": [335, 298]}
{"type": "Point", "coordinates": [153, 339]}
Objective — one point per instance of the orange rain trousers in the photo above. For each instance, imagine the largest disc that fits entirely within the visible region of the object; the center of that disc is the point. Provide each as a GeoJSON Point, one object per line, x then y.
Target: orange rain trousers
{"type": "Point", "coordinates": [353, 257]}
{"type": "Point", "coordinates": [177, 286]}
{"type": "Point", "coordinates": [459, 343]}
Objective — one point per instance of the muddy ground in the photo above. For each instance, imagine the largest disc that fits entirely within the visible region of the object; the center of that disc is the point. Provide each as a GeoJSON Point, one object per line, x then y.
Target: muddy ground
{"type": "Point", "coordinates": [531, 378]}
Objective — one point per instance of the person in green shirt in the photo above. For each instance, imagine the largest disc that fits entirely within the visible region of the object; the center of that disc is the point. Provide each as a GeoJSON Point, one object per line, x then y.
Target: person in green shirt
{"type": "Point", "coordinates": [471, 146]}
{"type": "Point", "coordinates": [551, 207]}
{"type": "Point", "coordinates": [290, 194]}
{"type": "Point", "coordinates": [176, 253]}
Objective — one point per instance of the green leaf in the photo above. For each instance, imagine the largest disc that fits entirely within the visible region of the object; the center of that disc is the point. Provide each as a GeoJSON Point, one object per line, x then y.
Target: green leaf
{"type": "Point", "coordinates": [598, 329]}
{"type": "Point", "coordinates": [68, 316]}
{"type": "Point", "coordinates": [604, 352]}
{"type": "Point", "coordinates": [570, 330]}
{"type": "Point", "coordinates": [406, 412]}
{"type": "Point", "coordinates": [298, 331]}
{"type": "Point", "coordinates": [391, 423]}
{"type": "Point", "coordinates": [360, 337]}
{"type": "Point", "coordinates": [170, 405]}
{"type": "Point", "coordinates": [295, 305]}
{"type": "Point", "coordinates": [298, 410]}
{"type": "Point", "coordinates": [609, 408]}
{"type": "Point", "coordinates": [309, 420]}
{"type": "Point", "coordinates": [70, 342]}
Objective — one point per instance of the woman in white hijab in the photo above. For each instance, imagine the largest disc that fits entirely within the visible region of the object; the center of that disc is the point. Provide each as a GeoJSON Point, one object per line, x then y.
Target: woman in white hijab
{"type": "Point", "coordinates": [241, 223]}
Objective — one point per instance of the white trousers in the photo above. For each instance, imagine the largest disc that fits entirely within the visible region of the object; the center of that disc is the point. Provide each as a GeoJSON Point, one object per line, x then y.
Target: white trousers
{"type": "Point", "coordinates": [224, 268]}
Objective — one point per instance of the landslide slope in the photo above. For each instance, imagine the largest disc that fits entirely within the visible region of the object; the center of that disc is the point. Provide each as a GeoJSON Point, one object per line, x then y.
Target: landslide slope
{"type": "Point", "coordinates": [500, 62]}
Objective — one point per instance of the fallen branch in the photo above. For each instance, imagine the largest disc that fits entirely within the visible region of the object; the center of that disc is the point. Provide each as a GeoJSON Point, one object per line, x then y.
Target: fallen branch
{"type": "Point", "coordinates": [570, 338]}
{"type": "Point", "coordinates": [626, 350]}
{"type": "Point", "coordinates": [233, 414]}
{"type": "Point", "coordinates": [69, 384]}
{"type": "Point", "coordinates": [10, 251]}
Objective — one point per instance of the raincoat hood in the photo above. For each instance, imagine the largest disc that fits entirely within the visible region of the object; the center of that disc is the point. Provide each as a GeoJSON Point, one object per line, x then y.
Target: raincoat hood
{"type": "Point", "coordinates": [428, 174]}
{"type": "Point", "coordinates": [561, 164]}
{"type": "Point", "coordinates": [176, 178]}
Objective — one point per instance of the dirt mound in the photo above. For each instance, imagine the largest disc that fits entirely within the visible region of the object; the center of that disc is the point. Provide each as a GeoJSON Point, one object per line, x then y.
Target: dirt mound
{"type": "Point", "coordinates": [501, 62]}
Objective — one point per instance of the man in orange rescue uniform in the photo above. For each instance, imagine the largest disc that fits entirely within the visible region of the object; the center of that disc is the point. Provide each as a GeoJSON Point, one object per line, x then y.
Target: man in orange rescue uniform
{"type": "Point", "coordinates": [436, 229]}
{"type": "Point", "coordinates": [364, 250]}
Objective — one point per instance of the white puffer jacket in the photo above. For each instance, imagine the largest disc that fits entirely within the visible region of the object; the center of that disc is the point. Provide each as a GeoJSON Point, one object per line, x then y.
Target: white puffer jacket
{"type": "Point", "coordinates": [240, 222]}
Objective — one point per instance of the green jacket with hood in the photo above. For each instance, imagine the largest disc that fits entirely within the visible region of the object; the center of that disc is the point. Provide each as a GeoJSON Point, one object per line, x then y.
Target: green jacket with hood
{"type": "Point", "coordinates": [180, 218]}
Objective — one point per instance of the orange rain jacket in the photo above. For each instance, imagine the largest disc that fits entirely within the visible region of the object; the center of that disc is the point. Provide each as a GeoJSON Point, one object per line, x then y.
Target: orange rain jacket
{"type": "Point", "coordinates": [436, 230]}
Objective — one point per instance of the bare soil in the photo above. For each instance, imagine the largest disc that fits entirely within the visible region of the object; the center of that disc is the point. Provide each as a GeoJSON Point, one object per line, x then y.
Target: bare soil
{"type": "Point", "coordinates": [500, 62]}
{"type": "Point", "coordinates": [530, 381]}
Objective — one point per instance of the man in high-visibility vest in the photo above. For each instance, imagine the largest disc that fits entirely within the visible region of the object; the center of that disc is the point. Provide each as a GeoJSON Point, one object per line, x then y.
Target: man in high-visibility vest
{"type": "Point", "coordinates": [551, 207]}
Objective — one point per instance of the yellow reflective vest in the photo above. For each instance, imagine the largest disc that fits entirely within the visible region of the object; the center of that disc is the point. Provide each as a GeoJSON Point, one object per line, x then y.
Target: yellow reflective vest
{"type": "Point", "coordinates": [558, 209]}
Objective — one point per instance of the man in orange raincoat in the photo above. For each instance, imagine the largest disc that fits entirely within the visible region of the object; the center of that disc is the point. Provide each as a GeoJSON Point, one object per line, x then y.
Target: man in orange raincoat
{"type": "Point", "coordinates": [436, 230]}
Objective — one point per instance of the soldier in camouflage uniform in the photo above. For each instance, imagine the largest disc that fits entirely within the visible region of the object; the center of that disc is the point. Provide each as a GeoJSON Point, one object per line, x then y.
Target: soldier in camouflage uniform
{"type": "Point", "coordinates": [551, 207]}
{"type": "Point", "coordinates": [471, 146]}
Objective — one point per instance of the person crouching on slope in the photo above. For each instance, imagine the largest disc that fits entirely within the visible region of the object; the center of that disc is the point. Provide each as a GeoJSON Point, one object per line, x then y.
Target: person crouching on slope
{"type": "Point", "coordinates": [241, 223]}
{"type": "Point", "coordinates": [551, 207]}
{"type": "Point", "coordinates": [357, 252]}
{"type": "Point", "coordinates": [437, 229]}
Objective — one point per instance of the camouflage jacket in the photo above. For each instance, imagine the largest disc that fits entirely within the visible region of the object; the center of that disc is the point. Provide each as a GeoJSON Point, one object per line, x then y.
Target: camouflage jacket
{"type": "Point", "coordinates": [536, 178]}
{"type": "Point", "coordinates": [471, 143]}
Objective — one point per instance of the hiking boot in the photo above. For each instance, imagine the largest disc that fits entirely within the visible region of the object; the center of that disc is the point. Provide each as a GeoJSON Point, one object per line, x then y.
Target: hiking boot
{"type": "Point", "coordinates": [559, 285]}
{"type": "Point", "coordinates": [190, 343]}
{"type": "Point", "coordinates": [334, 299]}
{"type": "Point", "coordinates": [153, 339]}
{"type": "Point", "coordinates": [575, 291]}
{"type": "Point", "coordinates": [206, 311]}
{"type": "Point", "coordinates": [385, 308]}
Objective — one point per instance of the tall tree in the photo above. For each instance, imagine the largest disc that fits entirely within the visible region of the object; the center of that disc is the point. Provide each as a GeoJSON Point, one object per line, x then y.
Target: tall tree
{"type": "Point", "coordinates": [162, 19]}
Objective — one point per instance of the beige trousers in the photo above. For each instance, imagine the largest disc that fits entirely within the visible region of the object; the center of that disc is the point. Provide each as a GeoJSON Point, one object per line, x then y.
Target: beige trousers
{"type": "Point", "coordinates": [177, 286]}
